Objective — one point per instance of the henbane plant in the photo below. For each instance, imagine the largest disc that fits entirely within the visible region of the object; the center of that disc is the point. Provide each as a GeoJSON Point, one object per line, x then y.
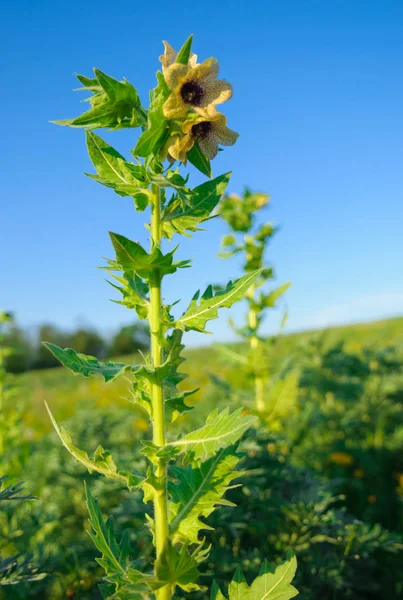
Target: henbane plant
{"type": "Point", "coordinates": [251, 241]}
{"type": "Point", "coordinates": [186, 478]}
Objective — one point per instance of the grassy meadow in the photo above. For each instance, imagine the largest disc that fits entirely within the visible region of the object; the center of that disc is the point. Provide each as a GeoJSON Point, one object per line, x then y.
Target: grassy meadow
{"type": "Point", "coordinates": [324, 466]}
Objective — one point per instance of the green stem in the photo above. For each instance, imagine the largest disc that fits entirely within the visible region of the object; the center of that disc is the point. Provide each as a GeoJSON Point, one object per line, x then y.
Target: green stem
{"type": "Point", "coordinates": [157, 397]}
{"type": "Point", "coordinates": [254, 344]}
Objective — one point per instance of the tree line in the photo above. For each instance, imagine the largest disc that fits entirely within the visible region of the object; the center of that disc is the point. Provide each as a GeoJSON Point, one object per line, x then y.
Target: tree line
{"type": "Point", "coordinates": [29, 352]}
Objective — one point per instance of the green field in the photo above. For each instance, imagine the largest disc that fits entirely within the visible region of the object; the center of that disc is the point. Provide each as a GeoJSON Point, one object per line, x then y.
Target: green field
{"type": "Point", "coordinates": [324, 466]}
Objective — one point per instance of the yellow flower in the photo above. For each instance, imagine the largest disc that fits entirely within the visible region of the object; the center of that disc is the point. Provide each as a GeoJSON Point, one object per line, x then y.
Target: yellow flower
{"type": "Point", "coordinates": [194, 87]}
{"type": "Point", "coordinates": [358, 473]}
{"type": "Point", "coordinates": [371, 499]}
{"type": "Point", "coordinates": [399, 478]}
{"type": "Point", "coordinates": [169, 57]}
{"type": "Point", "coordinates": [141, 424]}
{"type": "Point", "coordinates": [209, 130]}
{"type": "Point", "coordinates": [341, 458]}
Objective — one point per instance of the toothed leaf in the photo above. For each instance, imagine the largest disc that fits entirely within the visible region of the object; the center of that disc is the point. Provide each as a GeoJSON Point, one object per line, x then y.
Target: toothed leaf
{"type": "Point", "coordinates": [114, 104]}
{"type": "Point", "coordinates": [127, 581]}
{"type": "Point", "coordinates": [179, 217]}
{"type": "Point", "coordinates": [196, 492]}
{"type": "Point", "coordinates": [178, 568]}
{"type": "Point", "coordinates": [115, 172]}
{"type": "Point", "coordinates": [130, 256]}
{"type": "Point", "coordinates": [221, 430]}
{"type": "Point", "coordinates": [85, 365]}
{"type": "Point", "coordinates": [101, 463]}
{"type": "Point", "coordinates": [206, 308]}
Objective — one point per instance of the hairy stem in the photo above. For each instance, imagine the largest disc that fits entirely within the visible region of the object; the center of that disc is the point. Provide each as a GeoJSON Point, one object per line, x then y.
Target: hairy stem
{"type": "Point", "coordinates": [157, 396]}
{"type": "Point", "coordinates": [254, 345]}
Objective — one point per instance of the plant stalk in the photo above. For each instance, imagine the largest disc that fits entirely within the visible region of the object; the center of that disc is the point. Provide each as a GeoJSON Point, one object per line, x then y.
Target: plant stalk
{"type": "Point", "coordinates": [254, 345]}
{"type": "Point", "coordinates": [157, 397]}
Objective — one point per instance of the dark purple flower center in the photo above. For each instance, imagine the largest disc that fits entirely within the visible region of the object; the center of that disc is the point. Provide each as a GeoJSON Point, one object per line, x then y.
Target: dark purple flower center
{"type": "Point", "coordinates": [192, 93]}
{"type": "Point", "coordinates": [201, 130]}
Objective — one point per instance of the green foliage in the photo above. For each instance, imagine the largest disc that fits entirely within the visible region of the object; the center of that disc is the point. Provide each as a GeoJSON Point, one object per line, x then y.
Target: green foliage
{"type": "Point", "coordinates": [101, 463]}
{"type": "Point", "coordinates": [271, 584]}
{"type": "Point", "coordinates": [179, 217]}
{"type": "Point", "coordinates": [283, 504]}
{"type": "Point", "coordinates": [125, 178]}
{"type": "Point", "coordinates": [198, 160]}
{"type": "Point", "coordinates": [205, 308]}
{"type": "Point", "coordinates": [130, 256]}
{"type": "Point", "coordinates": [252, 242]}
{"type": "Point", "coordinates": [197, 490]}
{"type": "Point", "coordinates": [87, 365]}
{"type": "Point", "coordinates": [221, 430]}
{"type": "Point", "coordinates": [114, 104]}
{"type": "Point", "coordinates": [184, 52]}
{"type": "Point", "coordinates": [128, 581]}
{"type": "Point", "coordinates": [149, 141]}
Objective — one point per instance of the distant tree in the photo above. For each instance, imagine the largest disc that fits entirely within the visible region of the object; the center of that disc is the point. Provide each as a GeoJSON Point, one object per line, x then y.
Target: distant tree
{"type": "Point", "coordinates": [129, 339]}
{"type": "Point", "coordinates": [21, 357]}
{"type": "Point", "coordinates": [88, 341]}
{"type": "Point", "coordinates": [48, 333]}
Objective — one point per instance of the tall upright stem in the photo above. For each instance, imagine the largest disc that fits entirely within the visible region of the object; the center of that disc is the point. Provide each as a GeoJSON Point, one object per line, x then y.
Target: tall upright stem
{"type": "Point", "coordinates": [254, 344]}
{"type": "Point", "coordinates": [157, 397]}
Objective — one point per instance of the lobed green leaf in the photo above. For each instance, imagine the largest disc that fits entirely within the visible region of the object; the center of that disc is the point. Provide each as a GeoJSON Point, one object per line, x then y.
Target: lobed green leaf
{"type": "Point", "coordinates": [221, 430]}
{"type": "Point", "coordinates": [130, 256]}
{"type": "Point", "coordinates": [85, 365]}
{"type": "Point", "coordinates": [101, 463]}
{"type": "Point", "coordinates": [114, 104]}
{"type": "Point", "coordinates": [113, 171]}
{"type": "Point", "coordinates": [177, 568]}
{"type": "Point", "coordinates": [196, 492]}
{"type": "Point", "coordinates": [198, 313]}
{"type": "Point", "coordinates": [271, 584]}
{"type": "Point", "coordinates": [127, 582]}
{"type": "Point", "coordinates": [178, 217]}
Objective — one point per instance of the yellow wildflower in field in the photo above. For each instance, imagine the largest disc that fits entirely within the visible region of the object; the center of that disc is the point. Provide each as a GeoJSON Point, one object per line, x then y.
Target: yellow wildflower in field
{"type": "Point", "coordinates": [358, 473]}
{"type": "Point", "coordinates": [399, 478]}
{"type": "Point", "coordinates": [372, 499]}
{"type": "Point", "coordinates": [194, 87]}
{"type": "Point", "coordinates": [141, 424]}
{"type": "Point", "coordinates": [169, 57]}
{"type": "Point", "coordinates": [209, 130]}
{"type": "Point", "coordinates": [341, 458]}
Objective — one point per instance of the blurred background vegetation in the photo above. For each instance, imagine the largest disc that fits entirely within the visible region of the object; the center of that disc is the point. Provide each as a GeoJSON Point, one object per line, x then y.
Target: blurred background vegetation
{"type": "Point", "coordinates": [324, 467]}
{"type": "Point", "coordinates": [29, 353]}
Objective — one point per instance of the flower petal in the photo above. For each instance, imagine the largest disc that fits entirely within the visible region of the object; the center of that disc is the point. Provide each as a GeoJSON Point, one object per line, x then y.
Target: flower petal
{"type": "Point", "coordinates": [179, 147]}
{"type": "Point", "coordinates": [192, 59]}
{"type": "Point", "coordinates": [175, 74]}
{"type": "Point", "coordinates": [169, 56]}
{"type": "Point", "coordinates": [209, 146]}
{"type": "Point", "coordinates": [226, 136]}
{"type": "Point", "coordinates": [206, 70]}
{"type": "Point", "coordinates": [216, 92]}
{"type": "Point", "coordinates": [174, 108]}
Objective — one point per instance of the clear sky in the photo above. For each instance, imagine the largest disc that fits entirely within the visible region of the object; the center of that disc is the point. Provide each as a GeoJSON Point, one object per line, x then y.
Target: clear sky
{"type": "Point", "coordinates": [318, 101]}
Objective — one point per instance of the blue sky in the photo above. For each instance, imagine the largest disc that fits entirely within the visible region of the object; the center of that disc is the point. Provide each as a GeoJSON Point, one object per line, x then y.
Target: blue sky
{"type": "Point", "coordinates": [318, 101]}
